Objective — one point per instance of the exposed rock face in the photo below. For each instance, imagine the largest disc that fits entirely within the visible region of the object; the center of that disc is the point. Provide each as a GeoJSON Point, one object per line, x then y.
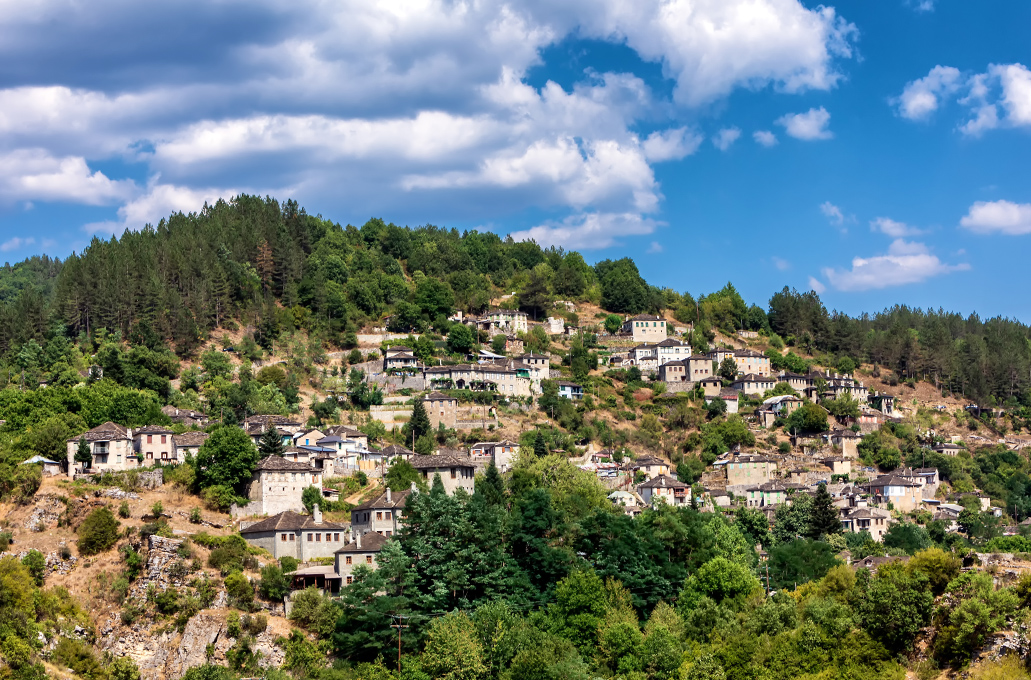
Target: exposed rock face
{"type": "Point", "coordinates": [46, 513]}
{"type": "Point", "coordinates": [161, 553]}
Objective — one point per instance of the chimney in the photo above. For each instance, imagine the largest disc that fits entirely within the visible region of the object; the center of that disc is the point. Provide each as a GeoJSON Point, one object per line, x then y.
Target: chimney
{"type": "Point", "coordinates": [350, 535]}
{"type": "Point", "coordinates": [358, 540]}
{"type": "Point", "coordinates": [389, 497]}
{"type": "Point", "coordinates": [316, 512]}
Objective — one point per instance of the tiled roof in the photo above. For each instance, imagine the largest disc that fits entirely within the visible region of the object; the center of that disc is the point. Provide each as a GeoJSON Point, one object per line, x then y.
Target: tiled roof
{"type": "Point", "coordinates": [891, 480]}
{"type": "Point", "coordinates": [395, 450]}
{"type": "Point", "coordinates": [663, 482]}
{"type": "Point", "coordinates": [647, 317]}
{"type": "Point", "coordinates": [752, 377]}
{"type": "Point", "coordinates": [371, 542]}
{"type": "Point", "coordinates": [152, 429]}
{"type": "Point", "coordinates": [438, 396]}
{"type": "Point", "coordinates": [190, 438]}
{"type": "Point", "coordinates": [439, 461]}
{"type": "Point", "coordinates": [273, 419]}
{"type": "Point", "coordinates": [397, 500]}
{"type": "Point", "coordinates": [343, 430]}
{"type": "Point", "coordinates": [107, 432]}
{"type": "Point", "coordinates": [280, 464]}
{"type": "Point", "coordinates": [290, 521]}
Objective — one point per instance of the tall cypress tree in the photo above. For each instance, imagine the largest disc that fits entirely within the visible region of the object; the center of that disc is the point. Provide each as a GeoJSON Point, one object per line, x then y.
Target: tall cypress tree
{"type": "Point", "coordinates": [419, 425]}
{"type": "Point", "coordinates": [83, 454]}
{"type": "Point", "coordinates": [271, 443]}
{"type": "Point", "coordinates": [825, 519]}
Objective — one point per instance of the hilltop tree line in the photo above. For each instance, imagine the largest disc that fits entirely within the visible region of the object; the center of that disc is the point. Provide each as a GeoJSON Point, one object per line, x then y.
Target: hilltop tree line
{"type": "Point", "coordinates": [272, 269]}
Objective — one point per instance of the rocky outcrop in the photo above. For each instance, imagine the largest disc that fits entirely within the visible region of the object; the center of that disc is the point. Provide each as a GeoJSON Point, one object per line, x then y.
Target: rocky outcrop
{"type": "Point", "coordinates": [46, 513]}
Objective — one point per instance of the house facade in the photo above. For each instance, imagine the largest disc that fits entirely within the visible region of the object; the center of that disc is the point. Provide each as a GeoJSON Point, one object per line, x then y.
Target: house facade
{"type": "Point", "coordinates": [481, 378]}
{"type": "Point", "coordinates": [399, 358]}
{"type": "Point", "coordinates": [501, 453]}
{"type": "Point", "coordinates": [750, 361]}
{"type": "Point", "coordinates": [185, 416]}
{"type": "Point", "coordinates": [154, 444]}
{"type": "Point", "coordinates": [570, 390]}
{"type": "Point", "coordinates": [749, 469]}
{"type": "Point", "coordinates": [645, 328]}
{"type": "Point", "coordinates": [506, 321]}
{"type": "Point", "coordinates": [651, 466]}
{"type": "Point", "coordinates": [188, 444]}
{"type": "Point", "coordinates": [290, 534]}
{"type": "Point", "coordinates": [770, 494]}
{"type": "Point", "coordinates": [381, 515]}
{"type": "Point", "coordinates": [904, 494]}
{"type": "Point", "coordinates": [277, 483]}
{"type": "Point", "coordinates": [110, 445]}
{"type": "Point", "coordinates": [455, 473]}
{"type": "Point", "coordinates": [363, 549]}
{"type": "Point", "coordinates": [873, 520]}
{"type": "Point", "coordinates": [665, 488]}
{"type": "Point", "coordinates": [441, 408]}
{"type": "Point", "coordinates": [753, 383]}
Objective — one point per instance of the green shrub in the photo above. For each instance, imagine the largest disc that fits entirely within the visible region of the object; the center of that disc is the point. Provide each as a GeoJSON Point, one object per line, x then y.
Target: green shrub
{"type": "Point", "coordinates": [98, 532]}
{"type": "Point", "coordinates": [289, 564]}
{"type": "Point", "coordinates": [240, 591]}
{"type": "Point", "coordinates": [157, 509]}
{"type": "Point", "coordinates": [123, 510]}
{"type": "Point", "coordinates": [218, 498]}
{"type": "Point", "coordinates": [233, 625]}
{"type": "Point", "coordinates": [133, 563]}
{"type": "Point", "coordinates": [274, 585]}
{"type": "Point", "coordinates": [37, 566]}
{"type": "Point", "coordinates": [195, 516]}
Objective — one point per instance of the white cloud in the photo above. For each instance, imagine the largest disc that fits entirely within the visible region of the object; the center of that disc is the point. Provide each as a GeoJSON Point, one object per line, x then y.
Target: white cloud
{"type": "Point", "coordinates": [920, 98]}
{"type": "Point", "coordinates": [780, 263]}
{"type": "Point", "coordinates": [34, 174]}
{"type": "Point", "coordinates": [832, 213]}
{"type": "Point", "coordinates": [670, 145]}
{"type": "Point", "coordinates": [654, 248]}
{"type": "Point", "coordinates": [999, 97]}
{"type": "Point", "coordinates": [383, 106]}
{"type": "Point", "coordinates": [1003, 217]}
{"type": "Point", "coordinates": [904, 263]}
{"type": "Point", "coordinates": [16, 243]}
{"type": "Point", "coordinates": [765, 138]}
{"type": "Point", "coordinates": [923, 5]}
{"type": "Point", "coordinates": [893, 228]}
{"type": "Point", "coordinates": [816, 286]}
{"type": "Point", "coordinates": [723, 139]}
{"type": "Point", "coordinates": [808, 126]}
{"type": "Point", "coordinates": [588, 231]}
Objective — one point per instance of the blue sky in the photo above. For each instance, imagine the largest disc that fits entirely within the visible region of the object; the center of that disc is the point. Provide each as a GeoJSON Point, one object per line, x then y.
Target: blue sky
{"type": "Point", "coordinates": [875, 152]}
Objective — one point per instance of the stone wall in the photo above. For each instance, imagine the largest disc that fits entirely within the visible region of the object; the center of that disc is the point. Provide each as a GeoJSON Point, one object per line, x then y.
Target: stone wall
{"type": "Point", "coordinates": [679, 386]}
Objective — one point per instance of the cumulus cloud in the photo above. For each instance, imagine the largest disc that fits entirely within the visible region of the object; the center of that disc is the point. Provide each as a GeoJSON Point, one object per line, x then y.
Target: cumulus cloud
{"type": "Point", "coordinates": [655, 247]}
{"type": "Point", "coordinates": [670, 145]}
{"type": "Point", "coordinates": [16, 243]}
{"type": "Point", "coordinates": [382, 106]}
{"type": "Point", "coordinates": [34, 174]}
{"type": "Point", "coordinates": [588, 231]}
{"type": "Point", "coordinates": [998, 97]}
{"type": "Point", "coordinates": [808, 126]}
{"type": "Point", "coordinates": [780, 263]}
{"type": "Point", "coordinates": [906, 262]}
{"type": "Point", "coordinates": [816, 286]}
{"type": "Point", "coordinates": [765, 138]}
{"type": "Point", "coordinates": [723, 139]}
{"type": "Point", "coordinates": [1002, 217]}
{"type": "Point", "coordinates": [893, 228]}
{"type": "Point", "coordinates": [920, 98]}
{"type": "Point", "coordinates": [832, 213]}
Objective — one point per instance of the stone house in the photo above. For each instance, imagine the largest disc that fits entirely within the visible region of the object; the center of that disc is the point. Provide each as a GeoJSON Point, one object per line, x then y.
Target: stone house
{"type": "Point", "coordinates": [481, 378]}
{"type": "Point", "coordinates": [651, 466]}
{"type": "Point", "coordinates": [501, 453]}
{"type": "Point", "coordinates": [777, 407]}
{"type": "Point", "coordinates": [718, 354]}
{"type": "Point", "coordinates": [847, 441]}
{"type": "Point", "coordinates": [154, 443]}
{"type": "Point", "coordinates": [290, 534]}
{"type": "Point", "coordinates": [699, 367]}
{"type": "Point", "coordinates": [669, 489]}
{"type": "Point", "coordinates": [948, 449]}
{"type": "Point", "coordinates": [644, 357]}
{"type": "Point", "coordinates": [188, 444]}
{"type": "Point", "coordinates": [797, 382]}
{"type": "Point", "coordinates": [255, 427]}
{"type": "Point", "coordinates": [308, 437]}
{"type": "Point", "coordinates": [671, 350]}
{"type": "Point", "coordinates": [381, 515]}
{"type": "Point", "coordinates": [555, 325]}
{"type": "Point", "coordinates": [711, 386]}
{"type": "Point", "coordinates": [927, 477]}
{"type": "Point", "coordinates": [455, 472]}
{"type": "Point", "coordinates": [513, 345]}
{"type": "Point", "coordinates": [753, 383]}
{"type": "Point", "coordinates": [346, 432]}
{"type": "Point", "coordinates": [441, 408]}
{"type": "Point", "coordinates": [277, 483]}
{"type": "Point", "coordinates": [186, 417]}
{"type": "Point", "coordinates": [770, 494]}
{"type": "Point", "coordinates": [399, 359]}
{"type": "Point", "coordinates": [505, 322]}
{"type": "Point", "coordinates": [730, 397]}
{"type": "Point", "coordinates": [111, 446]}
{"type": "Point", "coordinates": [395, 451]}
{"type": "Point", "coordinates": [645, 328]}
{"type": "Point", "coordinates": [673, 372]}
{"type": "Point", "coordinates": [748, 469]}
{"type": "Point", "coordinates": [362, 550]}
{"type": "Point", "coordinates": [541, 362]}
{"type": "Point", "coordinates": [904, 494]}
{"type": "Point", "coordinates": [838, 465]}
{"type": "Point", "coordinates": [873, 520]}
{"type": "Point", "coordinates": [570, 390]}
{"type": "Point", "coordinates": [750, 361]}
{"type": "Point", "coordinates": [885, 403]}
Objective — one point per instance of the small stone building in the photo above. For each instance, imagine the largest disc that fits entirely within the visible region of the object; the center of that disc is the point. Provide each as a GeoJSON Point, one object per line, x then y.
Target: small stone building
{"type": "Point", "coordinates": [188, 444]}
{"type": "Point", "coordinates": [645, 328]}
{"type": "Point", "coordinates": [364, 549]}
{"type": "Point", "coordinates": [154, 443]}
{"type": "Point", "coordinates": [847, 441]}
{"type": "Point", "coordinates": [290, 534]}
{"type": "Point", "coordinates": [441, 408]}
{"type": "Point", "coordinates": [669, 489]}
{"type": "Point", "coordinates": [381, 515]}
{"type": "Point", "coordinates": [455, 473]}
{"type": "Point", "coordinates": [277, 484]}
{"type": "Point", "coordinates": [110, 445]}
{"type": "Point", "coordinates": [748, 469]}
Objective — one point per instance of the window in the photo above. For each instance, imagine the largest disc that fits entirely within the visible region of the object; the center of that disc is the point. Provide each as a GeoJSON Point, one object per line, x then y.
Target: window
{"type": "Point", "coordinates": [348, 578]}
{"type": "Point", "coordinates": [150, 439]}
{"type": "Point", "coordinates": [348, 561]}
{"type": "Point", "coordinates": [318, 538]}
{"type": "Point", "coordinates": [292, 536]}
{"type": "Point", "coordinates": [368, 559]}
{"type": "Point", "coordinates": [164, 439]}
{"type": "Point", "coordinates": [309, 538]}
{"type": "Point", "coordinates": [336, 538]}
{"type": "Point", "coordinates": [284, 538]}
{"type": "Point", "coordinates": [379, 515]}
{"type": "Point", "coordinates": [150, 454]}
{"type": "Point", "coordinates": [453, 475]}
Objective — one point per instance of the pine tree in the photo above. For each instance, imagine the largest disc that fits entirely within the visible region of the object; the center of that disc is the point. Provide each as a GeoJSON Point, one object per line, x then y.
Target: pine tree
{"type": "Point", "coordinates": [492, 488]}
{"type": "Point", "coordinates": [419, 424]}
{"type": "Point", "coordinates": [540, 447]}
{"type": "Point", "coordinates": [825, 520]}
{"type": "Point", "coordinates": [83, 454]}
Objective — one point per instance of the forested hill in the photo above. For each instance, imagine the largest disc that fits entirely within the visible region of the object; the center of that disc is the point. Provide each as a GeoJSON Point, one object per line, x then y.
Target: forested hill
{"type": "Point", "coordinates": [273, 267]}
